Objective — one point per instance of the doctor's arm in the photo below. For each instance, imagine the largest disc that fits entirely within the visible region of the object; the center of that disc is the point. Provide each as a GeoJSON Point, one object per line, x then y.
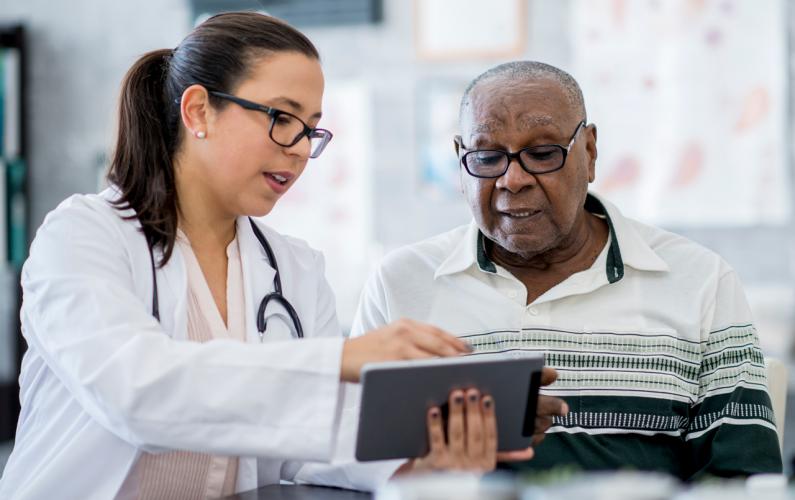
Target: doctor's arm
{"type": "Point", "coordinates": [82, 315]}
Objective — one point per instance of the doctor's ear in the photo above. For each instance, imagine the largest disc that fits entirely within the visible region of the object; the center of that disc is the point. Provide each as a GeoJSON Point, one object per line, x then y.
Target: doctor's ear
{"type": "Point", "coordinates": [195, 110]}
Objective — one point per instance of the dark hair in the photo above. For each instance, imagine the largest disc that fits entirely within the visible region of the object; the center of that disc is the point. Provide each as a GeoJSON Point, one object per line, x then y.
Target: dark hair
{"type": "Point", "coordinates": [216, 54]}
{"type": "Point", "coordinates": [528, 70]}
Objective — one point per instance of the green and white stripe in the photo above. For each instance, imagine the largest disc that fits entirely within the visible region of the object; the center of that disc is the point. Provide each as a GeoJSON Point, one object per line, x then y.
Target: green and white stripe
{"type": "Point", "coordinates": [640, 369]}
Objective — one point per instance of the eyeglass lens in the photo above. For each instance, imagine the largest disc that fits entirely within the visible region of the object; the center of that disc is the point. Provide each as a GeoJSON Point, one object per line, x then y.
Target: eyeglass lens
{"type": "Point", "coordinates": [287, 130]}
{"type": "Point", "coordinates": [536, 159]}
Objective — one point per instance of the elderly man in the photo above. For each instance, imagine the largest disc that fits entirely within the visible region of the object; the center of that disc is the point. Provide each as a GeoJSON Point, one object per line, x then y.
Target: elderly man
{"type": "Point", "coordinates": [650, 333]}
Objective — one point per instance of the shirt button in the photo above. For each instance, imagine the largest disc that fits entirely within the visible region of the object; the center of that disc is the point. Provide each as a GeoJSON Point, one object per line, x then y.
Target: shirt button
{"type": "Point", "coordinates": [533, 311]}
{"type": "Point", "coordinates": [512, 295]}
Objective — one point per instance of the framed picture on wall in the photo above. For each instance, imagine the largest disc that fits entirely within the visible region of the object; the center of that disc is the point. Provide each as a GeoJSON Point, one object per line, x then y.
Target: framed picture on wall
{"type": "Point", "coordinates": [469, 29]}
{"type": "Point", "coordinates": [703, 90]}
{"type": "Point", "coordinates": [437, 124]}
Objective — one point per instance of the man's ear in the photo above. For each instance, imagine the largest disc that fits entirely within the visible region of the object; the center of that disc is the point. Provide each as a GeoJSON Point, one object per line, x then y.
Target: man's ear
{"type": "Point", "coordinates": [457, 146]}
{"type": "Point", "coordinates": [195, 111]}
{"type": "Point", "coordinates": [590, 148]}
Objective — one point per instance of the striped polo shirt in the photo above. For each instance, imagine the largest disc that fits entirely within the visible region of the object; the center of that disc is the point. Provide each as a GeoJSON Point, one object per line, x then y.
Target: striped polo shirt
{"type": "Point", "coordinates": [654, 344]}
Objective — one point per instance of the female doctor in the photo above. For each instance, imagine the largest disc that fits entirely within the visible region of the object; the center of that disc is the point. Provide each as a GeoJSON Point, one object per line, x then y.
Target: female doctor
{"type": "Point", "coordinates": [162, 320]}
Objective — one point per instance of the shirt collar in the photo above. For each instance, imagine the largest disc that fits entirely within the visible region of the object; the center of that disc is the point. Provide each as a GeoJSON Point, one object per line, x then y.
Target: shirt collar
{"type": "Point", "coordinates": [627, 246]}
{"type": "Point", "coordinates": [632, 248]}
{"type": "Point", "coordinates": [464, 254]}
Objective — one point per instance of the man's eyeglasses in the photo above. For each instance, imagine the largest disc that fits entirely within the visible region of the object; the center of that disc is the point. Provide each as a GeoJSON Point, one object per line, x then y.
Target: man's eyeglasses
{"type": "Point", "coordinates": [491, 163]}
{"type": "Point", "coordinates": [286, 129]}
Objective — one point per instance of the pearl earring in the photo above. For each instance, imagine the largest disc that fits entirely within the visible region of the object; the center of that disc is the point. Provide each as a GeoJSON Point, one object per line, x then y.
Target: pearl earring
{"type": "Point", "coordinates": [201, 134]}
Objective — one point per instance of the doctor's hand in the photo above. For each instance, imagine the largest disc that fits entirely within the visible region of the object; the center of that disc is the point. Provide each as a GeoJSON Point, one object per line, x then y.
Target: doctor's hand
{"type": "Point", "coordinates": [548, 407]}
{"type": "Point", "coordinates": [402, 339]}
{"type": "Point", "coordinates": [470, 442]}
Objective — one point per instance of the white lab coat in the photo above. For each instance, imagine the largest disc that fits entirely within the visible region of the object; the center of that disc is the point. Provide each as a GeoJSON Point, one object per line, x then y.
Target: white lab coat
{"type": "Point", "coordinates": [103, 381]}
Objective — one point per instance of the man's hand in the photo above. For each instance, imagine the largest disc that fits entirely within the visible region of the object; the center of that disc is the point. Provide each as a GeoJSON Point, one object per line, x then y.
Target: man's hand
{"type": "Point", "coordinates": [548, 407]}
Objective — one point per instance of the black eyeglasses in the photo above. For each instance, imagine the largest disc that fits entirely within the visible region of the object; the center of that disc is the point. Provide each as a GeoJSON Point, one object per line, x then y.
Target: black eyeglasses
{"type": "Point", "coordinates": [286, 129]}
{"type": "Point", "coordinates": [491, 163]}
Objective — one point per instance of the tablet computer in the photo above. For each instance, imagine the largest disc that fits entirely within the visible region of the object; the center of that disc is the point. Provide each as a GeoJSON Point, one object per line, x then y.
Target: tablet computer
{"type": "Point", "coordinates": [396, 397]}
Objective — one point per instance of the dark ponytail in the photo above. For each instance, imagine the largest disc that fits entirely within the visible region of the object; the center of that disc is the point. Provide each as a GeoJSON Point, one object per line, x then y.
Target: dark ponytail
{"type": "Point", "coordinates": [216, 54]}
{"type": "Point", "coordinates": [141, 166]}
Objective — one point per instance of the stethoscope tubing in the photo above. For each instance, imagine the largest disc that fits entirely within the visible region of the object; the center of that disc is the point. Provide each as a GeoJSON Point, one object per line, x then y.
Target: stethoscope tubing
{"type": "Point", "coordinates": [275, 296]}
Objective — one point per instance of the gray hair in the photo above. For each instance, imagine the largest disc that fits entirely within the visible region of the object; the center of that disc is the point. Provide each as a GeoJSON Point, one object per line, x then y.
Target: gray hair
{"type": "Point", "coordinates": [525, 71]}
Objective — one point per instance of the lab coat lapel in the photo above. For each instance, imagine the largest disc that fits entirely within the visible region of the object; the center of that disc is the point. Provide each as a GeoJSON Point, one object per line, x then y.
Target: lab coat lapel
{"type": "Point", "coordinates": [172, 284]}
{"type": "Point", "coordinates": [172, 279]}
{"type": "Point", "coordinates": [257, 282]}
{"type": "Point", "coordinates": [257, 275]}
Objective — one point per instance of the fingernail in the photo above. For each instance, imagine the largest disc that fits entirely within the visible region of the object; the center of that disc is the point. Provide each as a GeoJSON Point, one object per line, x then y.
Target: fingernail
{"type": "Point", "coordinates": [468, 347]}
{"type": "Point", "coordinates": [458, 399]}
{"type": "Point", "coordinates": [565, 408]}
{"type": "Point", "coordinates": [487, 403]}
{"type": "Point", "coordinates": [473, 397]}
{"type": "Point", "coordinates": [434, 413]}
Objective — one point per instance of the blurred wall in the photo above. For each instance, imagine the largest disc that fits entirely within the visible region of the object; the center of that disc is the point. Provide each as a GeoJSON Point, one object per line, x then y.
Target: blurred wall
{"type": "Point", "coordinates": [396, 76]}
{"type": "Point", "coordinates": [80, 50]}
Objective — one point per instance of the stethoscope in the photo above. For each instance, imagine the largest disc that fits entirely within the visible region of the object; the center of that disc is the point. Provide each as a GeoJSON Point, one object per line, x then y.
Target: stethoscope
{"type": "Point", "coordinates": [275, 296]}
